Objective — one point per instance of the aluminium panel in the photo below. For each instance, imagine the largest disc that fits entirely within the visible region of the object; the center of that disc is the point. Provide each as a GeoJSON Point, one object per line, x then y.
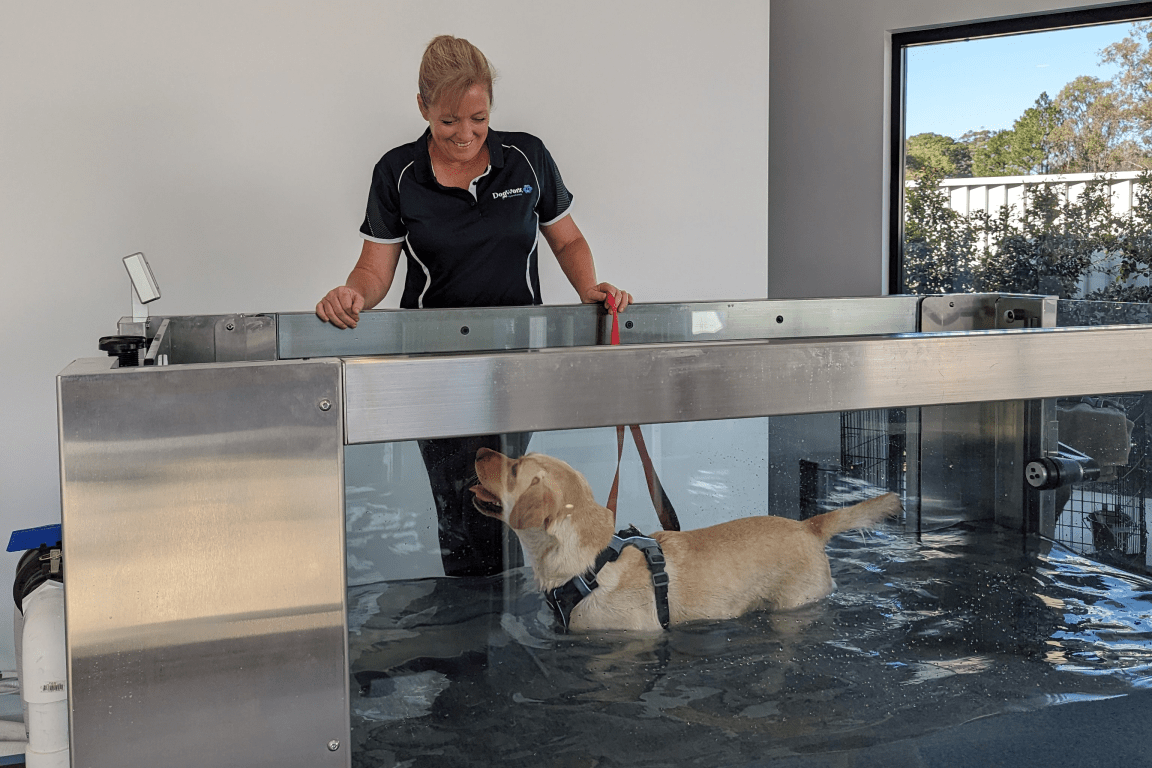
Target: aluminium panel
{"type": "Point", "coordinates": [990, 435]}
{"type": "Point", "coordinates": [411, 331]}
{"type": "Point", "coordinates": [435, 396]}
{"type": "Point", "coordinates": [204, 531]}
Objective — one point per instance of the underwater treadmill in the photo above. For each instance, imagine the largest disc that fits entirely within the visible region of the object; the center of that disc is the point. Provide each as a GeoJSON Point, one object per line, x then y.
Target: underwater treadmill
{"type": "Point", "coordinates": [204, 490]}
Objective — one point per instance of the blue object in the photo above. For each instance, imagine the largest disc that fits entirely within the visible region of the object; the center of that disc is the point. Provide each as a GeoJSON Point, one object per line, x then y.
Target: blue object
{"type": "Point", "coordinates": [32, 538]}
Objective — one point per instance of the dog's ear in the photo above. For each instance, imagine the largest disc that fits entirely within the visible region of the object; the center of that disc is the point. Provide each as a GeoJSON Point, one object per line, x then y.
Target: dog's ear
{"type": "Point", "coordinates": [536, 507]}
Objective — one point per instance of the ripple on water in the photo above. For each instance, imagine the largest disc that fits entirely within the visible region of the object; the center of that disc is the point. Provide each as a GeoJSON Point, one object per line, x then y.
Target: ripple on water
{"type": "Point", "coordinates": [922, 633]}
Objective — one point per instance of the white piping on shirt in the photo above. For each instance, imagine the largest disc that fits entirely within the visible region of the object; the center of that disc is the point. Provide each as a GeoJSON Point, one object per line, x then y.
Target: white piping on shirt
{"type": "Point", "coordinates": [536, 242]}
{"type": "Point", "coordinates": [391, 240]}
{"type": "Point", "coordinates": [411, 250]}
{"type": "Point", "coordinates": [381, 240]}
{"type": "Point", "coordinates": [567, 212]}
{"type": "Point", "coordinates": [528, 262]}
{"type": "Point", "coordinates": [401, 176]}
{"type": "Point", "coordinates": [427, 274]}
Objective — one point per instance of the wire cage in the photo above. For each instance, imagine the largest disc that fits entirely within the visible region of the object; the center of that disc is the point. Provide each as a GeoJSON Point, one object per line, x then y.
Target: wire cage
{"type": "Point", "coordinates": [1107, 518]}
{"type": "Point", "coordinates": [872, 461]}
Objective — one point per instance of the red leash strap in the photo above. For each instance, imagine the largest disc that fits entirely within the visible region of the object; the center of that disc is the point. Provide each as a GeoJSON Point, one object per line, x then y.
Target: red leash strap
{"type": "Point", "coordinates": [660, 502]}
{"type": "Point", "coordinates": [612, 494]}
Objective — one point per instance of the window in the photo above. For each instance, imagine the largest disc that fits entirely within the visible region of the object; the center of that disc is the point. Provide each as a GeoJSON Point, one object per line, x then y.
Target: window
{"type": "Point", "coordinates": [1020, 156]}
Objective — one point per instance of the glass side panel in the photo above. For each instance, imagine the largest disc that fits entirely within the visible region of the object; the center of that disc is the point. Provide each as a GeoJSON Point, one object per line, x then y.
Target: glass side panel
{"type": "Point", "coordinates": [1105, 517]}
{"type": "Point", "coordinates": [937, 618]}
{"type": "Point", "coordinates": [1071, 313]}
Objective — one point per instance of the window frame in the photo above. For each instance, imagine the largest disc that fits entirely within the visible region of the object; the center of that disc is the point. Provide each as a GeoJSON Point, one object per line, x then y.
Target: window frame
{"type": "Point", "coordinates": [901, 41]}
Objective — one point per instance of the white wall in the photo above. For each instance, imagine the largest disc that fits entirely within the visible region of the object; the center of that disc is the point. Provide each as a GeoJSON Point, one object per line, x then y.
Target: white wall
{"type": "Point", "coordinates": [233, 143]}
{"type": "Point", "coordinates": [829, 131]}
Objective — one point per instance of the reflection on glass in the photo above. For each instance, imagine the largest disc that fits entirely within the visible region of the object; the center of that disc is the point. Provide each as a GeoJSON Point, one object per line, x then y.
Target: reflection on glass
{"type": "Point", "coordinates": [926, 628]}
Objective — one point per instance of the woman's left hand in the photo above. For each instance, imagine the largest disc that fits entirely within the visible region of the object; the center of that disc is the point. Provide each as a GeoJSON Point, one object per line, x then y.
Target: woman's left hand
{"type": "Point", "coordinates": [601, 291]}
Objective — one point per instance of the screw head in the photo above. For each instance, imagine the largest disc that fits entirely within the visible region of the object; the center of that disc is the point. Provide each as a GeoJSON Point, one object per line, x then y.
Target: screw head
{"type": "Point", "coordinates": [230, 327]}
{"type": "Point", "coordinates": [325, 404]}
{"type": "Point", "coordinates": [333, 745]}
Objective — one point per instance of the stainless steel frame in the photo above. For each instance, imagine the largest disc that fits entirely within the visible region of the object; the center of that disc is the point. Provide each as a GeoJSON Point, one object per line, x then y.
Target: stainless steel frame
{"type": "Point", "coordinates": [469, 330]}
{"type": "Point", "coordinates": [994, 437]}
{"type": "Point", "coordinates": [203, 500]}
{"type": "Point", "coordinates": [431, 396]}
{"type": "Point", "coordinates": [203, 520]}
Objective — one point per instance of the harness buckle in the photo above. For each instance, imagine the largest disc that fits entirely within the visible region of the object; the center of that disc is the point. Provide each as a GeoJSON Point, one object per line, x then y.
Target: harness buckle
{"type": "Point", "coordinates": [660, 579]}
{"type": "Point", "coordinates": [655, 556]}
{"type": "Point", "coordinates": [585, 583]}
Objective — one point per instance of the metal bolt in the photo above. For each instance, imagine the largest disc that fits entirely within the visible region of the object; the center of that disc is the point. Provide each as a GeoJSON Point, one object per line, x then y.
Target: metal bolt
{"type": "Point", "coordinates": [333, 745]}
{"type": "Point", "coordinates": [325, 404]}
{"type": "Point", "coordinates": [230, 326]}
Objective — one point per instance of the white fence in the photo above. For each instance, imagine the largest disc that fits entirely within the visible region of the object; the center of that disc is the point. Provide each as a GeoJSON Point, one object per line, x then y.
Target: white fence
{"type": "Point", "coordinates": [990, 193]}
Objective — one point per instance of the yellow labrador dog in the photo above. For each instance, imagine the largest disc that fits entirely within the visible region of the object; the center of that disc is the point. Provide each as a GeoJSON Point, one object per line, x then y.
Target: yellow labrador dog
{"type": "Point", "coordinates": [712, 573]}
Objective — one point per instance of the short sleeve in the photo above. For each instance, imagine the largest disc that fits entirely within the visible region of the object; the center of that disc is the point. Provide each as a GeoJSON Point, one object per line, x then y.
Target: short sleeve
{"type": "Point", "coordinates": [382, 222]}
{"type": "Point", "coordinates": [555, 199]}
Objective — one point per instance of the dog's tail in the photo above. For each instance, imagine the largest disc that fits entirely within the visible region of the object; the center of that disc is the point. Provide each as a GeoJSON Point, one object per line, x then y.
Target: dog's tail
{"type": "Point", "coordinates": [866, 514]}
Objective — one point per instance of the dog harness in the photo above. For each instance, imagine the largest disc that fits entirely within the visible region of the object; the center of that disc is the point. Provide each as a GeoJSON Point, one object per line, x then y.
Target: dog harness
{"type": "Point", "coordinates": [564, 598]}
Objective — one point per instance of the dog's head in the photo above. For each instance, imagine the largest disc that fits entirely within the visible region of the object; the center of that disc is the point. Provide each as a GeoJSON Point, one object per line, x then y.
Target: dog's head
{"type": "Point", "coordinates": [531, 492]}
{"type": "Point", "coordinates": [550, 507]}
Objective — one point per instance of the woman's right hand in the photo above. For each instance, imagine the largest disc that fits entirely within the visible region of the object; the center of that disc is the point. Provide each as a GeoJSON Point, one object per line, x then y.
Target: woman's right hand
{"type": "Point", "coordinates": [341, 307]}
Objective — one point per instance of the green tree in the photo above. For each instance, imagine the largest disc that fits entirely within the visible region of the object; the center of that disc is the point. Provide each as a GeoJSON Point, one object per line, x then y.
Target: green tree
{"type": "Point", "coordinates": [940, 246]}
{"type": "Point", "coordinates": [1094, 130]}
{"type": "Point", "coordinates": [931, 150]}
{"type": "Point", "coordinates": [1055, 243]}
{"type": "Point", "coordinates": [1133, 270]}
{"type": "Point", "coordinates": [1023, 149]}
{"type": "Point", "coordinates": [1133, 84]}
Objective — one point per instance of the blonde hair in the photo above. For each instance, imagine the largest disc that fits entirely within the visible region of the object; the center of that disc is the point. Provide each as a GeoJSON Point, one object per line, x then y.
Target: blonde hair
{"type": "Point", "coordinates": [450, 66]}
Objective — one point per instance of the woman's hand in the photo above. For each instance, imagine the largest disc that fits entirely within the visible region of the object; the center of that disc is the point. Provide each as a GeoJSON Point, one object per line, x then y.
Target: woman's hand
{"type": "Point", "coordinates": [367, 285]}
{"type": "Point", "coordinates": [341, 307]}
{"type": "Point", "coordinates": [601, 291]}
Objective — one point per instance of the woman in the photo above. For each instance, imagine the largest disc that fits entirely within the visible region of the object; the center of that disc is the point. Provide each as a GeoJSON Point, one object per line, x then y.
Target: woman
{"type": "Point", "coordinates": [464, 204]}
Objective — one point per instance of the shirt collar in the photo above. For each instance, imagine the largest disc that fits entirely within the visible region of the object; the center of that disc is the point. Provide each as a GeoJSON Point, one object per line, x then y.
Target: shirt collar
{"type": "Point", "coordinates": [424, 160]}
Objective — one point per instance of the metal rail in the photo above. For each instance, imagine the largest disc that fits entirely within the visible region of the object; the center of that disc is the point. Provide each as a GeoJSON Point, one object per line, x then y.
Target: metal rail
{"type": "Point", "coordinates": [434, 396]}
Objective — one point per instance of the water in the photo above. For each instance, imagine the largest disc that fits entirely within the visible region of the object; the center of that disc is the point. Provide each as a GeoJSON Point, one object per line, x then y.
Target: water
{"type": "Point", "coordinates": [923, 633]}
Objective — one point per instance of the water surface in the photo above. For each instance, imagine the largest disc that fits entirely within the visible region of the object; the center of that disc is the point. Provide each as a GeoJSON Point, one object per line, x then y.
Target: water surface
{"type": "Point", "coordinates": [923, 633]}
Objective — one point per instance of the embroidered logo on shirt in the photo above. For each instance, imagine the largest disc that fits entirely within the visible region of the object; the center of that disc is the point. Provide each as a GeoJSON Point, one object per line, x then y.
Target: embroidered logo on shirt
{"type": "Point", "coordinates": [514, 192]}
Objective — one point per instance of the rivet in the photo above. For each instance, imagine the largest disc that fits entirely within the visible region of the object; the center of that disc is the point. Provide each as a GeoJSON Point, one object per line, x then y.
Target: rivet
{"type": "Point", "coordinates": [333, 745]}
{"type": "Point", "coordinates": [325, 404]}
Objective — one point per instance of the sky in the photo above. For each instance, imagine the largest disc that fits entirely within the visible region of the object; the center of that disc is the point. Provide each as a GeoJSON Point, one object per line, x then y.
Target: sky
{"type": "Point", "coordinates": [988, 83]}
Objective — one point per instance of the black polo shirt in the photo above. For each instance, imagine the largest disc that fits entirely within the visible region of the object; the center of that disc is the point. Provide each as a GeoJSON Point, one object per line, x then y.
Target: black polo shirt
{"type": "Point", "coordinates": [468, 248]}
